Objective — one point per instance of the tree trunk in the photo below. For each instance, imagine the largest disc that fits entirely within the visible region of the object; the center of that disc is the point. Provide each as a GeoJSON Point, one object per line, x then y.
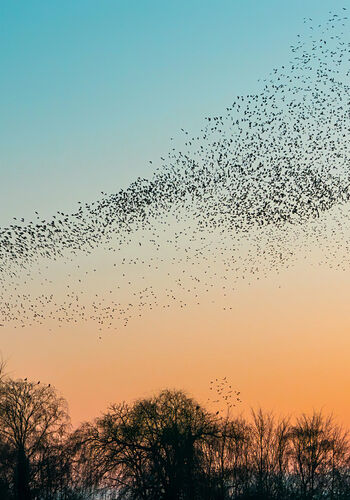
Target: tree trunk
{"type": "Point", "coordinates": [22, 487]}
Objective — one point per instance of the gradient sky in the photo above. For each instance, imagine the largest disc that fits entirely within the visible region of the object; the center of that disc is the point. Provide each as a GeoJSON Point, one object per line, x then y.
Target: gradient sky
{"type": "Point", "coordinates": [90, 92]}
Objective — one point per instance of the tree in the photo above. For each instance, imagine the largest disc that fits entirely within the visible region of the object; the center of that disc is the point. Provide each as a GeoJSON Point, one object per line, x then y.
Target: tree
{"type": "Point", "coordinates": [151, 450]}
{"type": "Point", "coordinates": [32, 419]}
{"type": "Point", "coordinates": [263, 434]}
{"type": "Point", "coordinates": [319, 449]}
{"type": "Point", "coordinates": [226, 464]}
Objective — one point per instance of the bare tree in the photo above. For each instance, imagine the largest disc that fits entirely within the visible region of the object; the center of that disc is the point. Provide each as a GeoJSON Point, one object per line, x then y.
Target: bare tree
{"type": "Point", "coordinates": [32, 418]}
{"type": "Point", "coordinates": [153, 449]}
{"type": "Point", "coordinates": [262, 449]}
{"type": "Point", "coordinates": [281, 457]}
{"type": "Point", "coordinates": [319, 452]}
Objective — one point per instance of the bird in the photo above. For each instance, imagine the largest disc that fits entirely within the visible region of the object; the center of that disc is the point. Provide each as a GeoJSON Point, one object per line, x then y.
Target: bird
{"type": "Point", "coordinates": [242, 199]}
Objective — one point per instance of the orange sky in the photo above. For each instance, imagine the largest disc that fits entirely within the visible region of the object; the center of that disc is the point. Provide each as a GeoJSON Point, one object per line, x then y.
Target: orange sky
{"type": "Point", "coordinates": [285, 345]}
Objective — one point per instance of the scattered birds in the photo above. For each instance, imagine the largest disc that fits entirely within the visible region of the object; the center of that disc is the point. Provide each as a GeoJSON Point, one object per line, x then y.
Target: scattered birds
{"type": "Point", "coordinates": [223, 394]}
{"type": "Point", "coordinates": [259, 185]}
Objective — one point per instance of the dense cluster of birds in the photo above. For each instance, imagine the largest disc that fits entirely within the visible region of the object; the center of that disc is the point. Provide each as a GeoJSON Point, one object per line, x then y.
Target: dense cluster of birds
{"type": "Point", "coordinates": [260, 184]}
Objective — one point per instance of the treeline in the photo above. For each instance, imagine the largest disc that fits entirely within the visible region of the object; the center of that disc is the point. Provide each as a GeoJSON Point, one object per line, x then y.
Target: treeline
{"type": "Point", "coordinates": [167, 447]}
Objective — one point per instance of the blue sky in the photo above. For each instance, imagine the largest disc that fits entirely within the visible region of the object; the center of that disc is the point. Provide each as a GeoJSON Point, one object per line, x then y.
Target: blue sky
{"type": "Point", "coordinates": [90, 91]}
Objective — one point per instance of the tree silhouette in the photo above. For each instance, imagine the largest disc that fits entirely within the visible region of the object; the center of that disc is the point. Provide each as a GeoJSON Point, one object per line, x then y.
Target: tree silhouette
{"type": "Point", "coordinates": [319, 455]}
{"type": "Point", "coordinates": [32, 419]}
{"type": "Point", "coordinates": [165, 447]}
{"type": "Point", "coordinates": [152, 449]}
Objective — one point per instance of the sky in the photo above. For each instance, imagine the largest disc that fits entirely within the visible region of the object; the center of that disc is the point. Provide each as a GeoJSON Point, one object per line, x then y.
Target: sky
{"type": "Point", "coordinates": [90, 92]}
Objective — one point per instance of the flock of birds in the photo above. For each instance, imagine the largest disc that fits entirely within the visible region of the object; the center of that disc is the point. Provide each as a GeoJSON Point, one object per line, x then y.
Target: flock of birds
{"type": "Point", "coordinates": [224, 394]}
{"type": "Point", "coordinates": [263, 183]}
